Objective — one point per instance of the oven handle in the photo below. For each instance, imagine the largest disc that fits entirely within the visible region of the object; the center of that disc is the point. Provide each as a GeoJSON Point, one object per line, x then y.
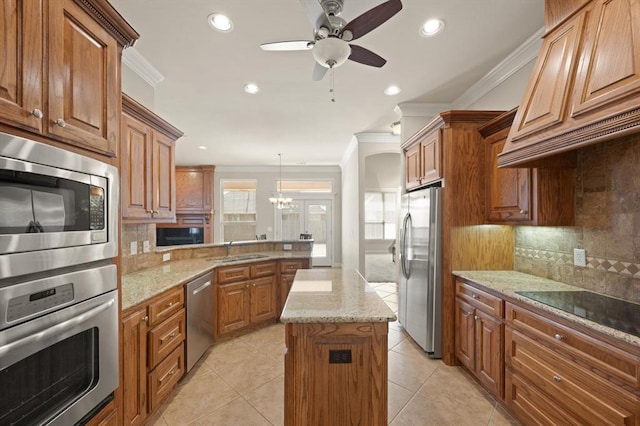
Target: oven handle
{"type": "Point", "coordinates": [47, 332]}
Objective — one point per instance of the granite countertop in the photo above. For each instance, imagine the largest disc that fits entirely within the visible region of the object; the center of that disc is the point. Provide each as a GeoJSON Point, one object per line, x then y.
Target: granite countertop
{"type": "Point", "coordinates": [332, 296]}
{"type": "Point", "coordinates": [140, 286]}
{"type": "Point", "coordinates": [508, 282]}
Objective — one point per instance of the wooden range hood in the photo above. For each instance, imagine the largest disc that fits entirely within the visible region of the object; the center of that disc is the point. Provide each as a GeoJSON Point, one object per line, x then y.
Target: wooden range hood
{"type": "Point", "coordinates": [585, 85]}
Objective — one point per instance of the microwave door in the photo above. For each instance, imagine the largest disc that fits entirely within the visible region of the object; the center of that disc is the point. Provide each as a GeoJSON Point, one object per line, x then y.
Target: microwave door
{"type": "Point", "coordinates": [16, 212]}
{"type": "Point", "coordinates": [49, 213]}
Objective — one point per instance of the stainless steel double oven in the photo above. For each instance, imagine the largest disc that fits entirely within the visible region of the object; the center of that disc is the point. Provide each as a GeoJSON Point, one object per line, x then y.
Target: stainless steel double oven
{"type": "Point", "coordinates": [58, 286]}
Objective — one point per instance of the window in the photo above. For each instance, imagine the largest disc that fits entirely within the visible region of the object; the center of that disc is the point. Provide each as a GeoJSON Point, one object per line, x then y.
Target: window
{"type": "Point", "coordinates": [380, 215]}
{"type": "Point", "coordinates": [239, 210]}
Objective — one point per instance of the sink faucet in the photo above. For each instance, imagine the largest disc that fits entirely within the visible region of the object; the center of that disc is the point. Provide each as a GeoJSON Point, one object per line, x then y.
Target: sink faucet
{"type": "Point", "coordinates": [229, 248]}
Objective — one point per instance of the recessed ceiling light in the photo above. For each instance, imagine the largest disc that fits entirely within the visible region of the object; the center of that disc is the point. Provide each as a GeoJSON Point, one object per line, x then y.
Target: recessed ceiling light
{"type": "Point", "coordinates": [220, 22]}
{"type": "Point", "coordinates": [202, 147]}
{"type": "Point", "coordinates": [392, 90]}
{"type": "Point", "coordinates": [251, 88]}
{"type": "Point", "coordinates": [432, 27]}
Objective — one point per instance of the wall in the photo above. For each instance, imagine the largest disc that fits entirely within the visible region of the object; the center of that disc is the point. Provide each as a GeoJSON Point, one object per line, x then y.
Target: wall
{"type": "Point", "coordinates": [137, 88]}
{"type": "Point", "coordinates": [382, 173]}
{"type": "Point", "coordinates": [607, 226]}
{"type": "Point", "coordinates": [350, 208]}
{"type": "Point", "coordinates": [508, 94]}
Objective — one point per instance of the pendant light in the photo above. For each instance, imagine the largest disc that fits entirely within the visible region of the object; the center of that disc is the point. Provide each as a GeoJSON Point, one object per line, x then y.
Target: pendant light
{"type": "Point", "coordinates": [280, 201]}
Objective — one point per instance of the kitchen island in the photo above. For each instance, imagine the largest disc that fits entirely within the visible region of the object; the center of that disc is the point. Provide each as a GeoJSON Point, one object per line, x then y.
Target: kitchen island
{"type": "Point", "coordinates": [336, 356]}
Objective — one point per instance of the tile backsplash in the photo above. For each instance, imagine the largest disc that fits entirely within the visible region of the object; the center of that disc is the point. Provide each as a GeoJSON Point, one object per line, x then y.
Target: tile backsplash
{"type": "Point", "coordinates": [607, 225]}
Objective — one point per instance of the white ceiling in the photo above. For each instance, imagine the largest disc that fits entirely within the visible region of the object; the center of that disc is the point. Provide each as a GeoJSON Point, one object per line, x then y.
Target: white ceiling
{"type": "Point", "coordinates": [205, 70]}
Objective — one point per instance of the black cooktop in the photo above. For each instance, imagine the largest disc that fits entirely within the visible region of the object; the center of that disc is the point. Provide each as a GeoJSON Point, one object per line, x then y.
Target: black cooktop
{"type": "Point", "coordinates": [615, 313]}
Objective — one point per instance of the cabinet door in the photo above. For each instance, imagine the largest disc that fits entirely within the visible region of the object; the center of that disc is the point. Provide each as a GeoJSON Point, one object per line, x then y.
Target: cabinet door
{"type": "Point", "coordinates": [412, 167]}
{"type": "Point", "coordinates": [545, 100]}
{"type": "Point", "coordinates": [489, 354]}
{"type": "Point", "coordinates": [134, 364]}
{"type": "Point", "coordinates": [84, 82]}
{"type": "Point", "coordinates": [194, 189]}
{"type": "Point", "coordinates": [508, 189]}
{"type": "Point", "coordinates": [135, 171]}
{"type": "Point", "coordinates": [431, 156]}
{"type": "Point", "coordinates": [263, 299]}
{"type": "Point", "coordinates": [163, 177]}
{"type": "Point", "coordinates": [234, 310]}
{"type": "Point", "coordinates": [465, 334]}
{"type": "Point", "coordinates": [21, 53]}
{"type": "Point", "coordinates": [610, 65]}
{"type": "Point", "coordinates": [285, 286]}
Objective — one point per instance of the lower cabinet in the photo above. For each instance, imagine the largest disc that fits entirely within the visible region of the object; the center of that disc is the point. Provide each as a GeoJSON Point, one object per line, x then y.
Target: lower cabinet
{"type": "Point", "coordinates": [288, 270]}
{"type": "Point", "coordinates": [153, 354]}
{"type": "Point", "coordinates": [480, 336]}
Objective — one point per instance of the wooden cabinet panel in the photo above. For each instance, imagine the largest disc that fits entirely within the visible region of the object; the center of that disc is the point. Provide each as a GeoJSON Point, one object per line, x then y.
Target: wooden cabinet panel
{"type": "Point", "coordinates": [286, 280]}
{"type": "Point", "coordinates": [84, 87]}
{"type": "Point", "coordinates": [288, 270]}
{"type": "Point", "coordinates": [21, 56]}
{"type": "Point", "coordinates": [489, 352]}
{"type": "Point", "coordinates": [480, 299]}
{"type": "Point", "coordinates": [465, 334]}
{"type": "Point", "coordinates": [134, 362]}
{"type": "Point", "coordinates": [431, 158]}
{"type": "Point", "coordinates": [165, 306]}
{"type": "Point", "coordinates": [108, 416]}
{"type": "Point", "coordinates": [135, 169]}
{"type": "Point", "coordinates": [232, 274]}
{"type": "Point", "coordinates": [194, 189]}
{"type": "Point", "coordinates": [263, 299]}
{"type": "Point", "coordinates": [164, 338]}
{"type": "Point", "coordinates": [265, 269]}
{"type": "Point", "coordinates": [412, 167]}
{"type": "Point", "coordinates": [163, 177]}
{"type": "Point", "coordinates": [165, 376]}
{"type": "Point", "coordinates": [234, 307]}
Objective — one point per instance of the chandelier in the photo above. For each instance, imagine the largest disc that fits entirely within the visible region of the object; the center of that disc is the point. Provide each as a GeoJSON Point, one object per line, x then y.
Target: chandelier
{"type": "Point", "coordinates": [280, 201]}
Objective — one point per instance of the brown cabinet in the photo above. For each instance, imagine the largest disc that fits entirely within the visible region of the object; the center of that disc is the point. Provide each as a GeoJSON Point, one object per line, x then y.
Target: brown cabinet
{"type": "Point", "coordinates": [480, 336]}
{"type": "Point", "coordinates": [63, 83]}
{"type": "Point", "coordinates": [147, 165]}
{"type": "Point", "coordinates": [246, 295]}
{"type": "Point", "coordinates": [527, 196]}
{"type": "Point", "coordinates": [585, 86]}
{"type": "Point", "coordinates": [423, 160]}
{"type": "Point", "coordinates": [194, 189]}
{"type": "Point", "coordinates": [288, 270]}
{"type": "Point", "coordinates": [153, 354]}
{"type": "Point", "coordinates": [556, 374]}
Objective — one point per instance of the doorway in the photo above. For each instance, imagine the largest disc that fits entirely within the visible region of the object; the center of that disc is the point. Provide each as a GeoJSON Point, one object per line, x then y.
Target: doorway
{"type": "Point", "coordinates": [311, 216]}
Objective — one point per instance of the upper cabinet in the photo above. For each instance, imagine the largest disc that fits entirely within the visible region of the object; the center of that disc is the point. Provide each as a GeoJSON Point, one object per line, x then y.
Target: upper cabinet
{"type": "Point", "coordinates": [585, 86]}
{"type": "Point", "coordinates": [194, 189]}
{"type": "Point", "coordinates": [63, 82]}
{"type": "Point", "coordinates": [526, 196]}
{"type": "Point", "coordinates": [147, 165]}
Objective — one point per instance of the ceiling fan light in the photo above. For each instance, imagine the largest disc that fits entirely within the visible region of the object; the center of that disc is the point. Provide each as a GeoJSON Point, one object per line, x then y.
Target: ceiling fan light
{"type": "Point", "coordinates": [331, 52]}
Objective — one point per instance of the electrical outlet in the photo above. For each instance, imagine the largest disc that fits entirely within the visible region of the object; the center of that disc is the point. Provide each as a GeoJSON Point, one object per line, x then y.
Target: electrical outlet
{"type": "Point", "coordinates": [146, 246]}
{"type": "Point", "coordinates": [287, 247]}
{"type": "Point", "coordinates": [166, 257]}
{"type": "Point", "coordinates": [579, 257]}
{"type": "Point", "coordinates": [134, 248]}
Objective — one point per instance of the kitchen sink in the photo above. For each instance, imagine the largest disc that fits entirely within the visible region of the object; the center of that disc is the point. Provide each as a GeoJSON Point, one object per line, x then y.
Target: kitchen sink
{"type": "Point", "coordinates": [238, 258]}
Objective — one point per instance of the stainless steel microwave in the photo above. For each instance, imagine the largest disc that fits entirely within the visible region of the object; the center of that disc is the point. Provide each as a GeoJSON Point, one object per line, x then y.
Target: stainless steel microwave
{"type": "Point", "coordinates": [57, 208]}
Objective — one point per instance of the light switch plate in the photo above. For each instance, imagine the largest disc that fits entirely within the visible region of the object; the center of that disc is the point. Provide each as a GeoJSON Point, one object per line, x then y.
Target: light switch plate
{"type": "Point", "coordinates": [146, 246]}
{"type": "Point", "coordinates": [166, 257]}
{"type": "Point", "coordinates": [287, 247]}
{"type": "Point", "coordinates": [579, 257]}
{"type": "Point", "coordinates": [133, 250]}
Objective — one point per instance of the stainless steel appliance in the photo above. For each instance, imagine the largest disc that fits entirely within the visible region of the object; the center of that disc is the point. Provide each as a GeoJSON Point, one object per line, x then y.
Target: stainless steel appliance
{"type": "Point", "coordinates": [58, 347]}
{"type": "Point", "coordinates": [200, 317]}
{"type": "Point", "coordinates": [420, 269]}
{"type": "Point", "coordinates": [57, 208]}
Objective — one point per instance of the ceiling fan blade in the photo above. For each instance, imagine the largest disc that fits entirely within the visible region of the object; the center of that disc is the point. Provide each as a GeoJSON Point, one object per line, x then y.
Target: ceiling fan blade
{"type": "Point", "coordinates": [314, 11]}
{"type": "Point", "coordinates": [365, 56]}
{"type": "Point", "coordinates": [288, 45]}
{"type": "Point", "coordinates": [318, 72]}
{"type": "Point", "coordinates": [373, 18]}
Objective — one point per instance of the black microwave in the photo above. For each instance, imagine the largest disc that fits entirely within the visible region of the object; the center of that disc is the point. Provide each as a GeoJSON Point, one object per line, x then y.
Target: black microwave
{"type": "Point", "coordinates": [57, 208]}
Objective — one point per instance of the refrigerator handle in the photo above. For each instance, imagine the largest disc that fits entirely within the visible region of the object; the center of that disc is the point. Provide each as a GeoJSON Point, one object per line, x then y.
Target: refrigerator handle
{"type": "Point", "coordinates": [403, 246]}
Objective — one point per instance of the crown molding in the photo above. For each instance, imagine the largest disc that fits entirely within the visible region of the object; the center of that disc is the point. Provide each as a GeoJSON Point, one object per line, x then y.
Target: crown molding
{"type": "Point", "coordinates": [139, 64]}
{"type": "Point", "coordinates": [310, 169]}
{"type": "Point", "coordinates": [375, 137]}
{"type": "Point", "coordinates": [525, 53]}
{"type": "Point", "coordinates": [418, 109]}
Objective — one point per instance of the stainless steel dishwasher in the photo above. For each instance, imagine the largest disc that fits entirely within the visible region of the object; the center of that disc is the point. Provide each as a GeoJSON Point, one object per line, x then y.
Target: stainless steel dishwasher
{"type": "Point", "coordinates": [200, 317]}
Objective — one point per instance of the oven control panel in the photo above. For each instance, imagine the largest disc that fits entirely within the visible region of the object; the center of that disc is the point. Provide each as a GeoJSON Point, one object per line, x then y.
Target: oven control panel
{"type": "Point", "coordinates": [27, 305]}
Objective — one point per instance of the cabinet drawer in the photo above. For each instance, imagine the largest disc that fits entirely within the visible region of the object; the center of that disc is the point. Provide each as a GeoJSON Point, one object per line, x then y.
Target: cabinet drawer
{"type": "Point", "coordinates": [589, 397]}
{"type": "Point", "coordinates": [291, 266]}
{"type": "Point", "coordinates": [482, 300]}
{"type": "Point", "coordinates": [165, 337]}
{"type": "Point", "coordinates": [170, 303]}
{"type": "Point", "coordinates": [165, 376]}
{"type": "Point", "coordinates": [263, 269]}
{"type": "Point", "coordinates": [232, 274]}
{"type": "Point", "coordinates": [595, 355]}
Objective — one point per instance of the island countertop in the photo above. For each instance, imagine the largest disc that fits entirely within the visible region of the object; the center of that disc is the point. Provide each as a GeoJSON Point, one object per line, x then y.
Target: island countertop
{"type": "Point", "coordinates": [333, 296]}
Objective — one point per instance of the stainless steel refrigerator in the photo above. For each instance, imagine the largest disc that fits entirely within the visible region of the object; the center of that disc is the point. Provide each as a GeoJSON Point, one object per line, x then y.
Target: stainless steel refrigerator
{"type": "Point", "coordinates": [420, 268]}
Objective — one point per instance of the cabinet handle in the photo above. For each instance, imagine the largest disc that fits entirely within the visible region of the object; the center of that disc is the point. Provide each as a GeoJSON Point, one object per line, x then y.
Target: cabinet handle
{"type": "Point", "coordinates": [254, 284]}
{"type": "Point", "coordinates": [170, 304]}
{"type": "Point", "coordinates": [475, 317]}
{"type": "Point", "coordinates": [558, 337]}
{"type": "Point", "coordinates": [37, 113]}
{"type": "Point", "coordinates": [474, 296]}
{"type": "Point", "coordinates": [466, 314]}
{"type": "Point", "coordinates": [172, 335]}
{"type": "Point", "coordinates": [60, 122]}
{"type": "Point", "coordinates": [523, 212]}
{"type": "Point", "coordinates": [172, 372]}
{"type": "Point", "coordinates": [557, 379]}
{"type": "Point", "coordinates": [146, 318]}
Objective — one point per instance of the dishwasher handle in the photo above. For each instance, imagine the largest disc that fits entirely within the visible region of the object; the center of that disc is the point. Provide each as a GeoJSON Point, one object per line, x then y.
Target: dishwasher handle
{"type": "Point", "coordinates": [202, 287]}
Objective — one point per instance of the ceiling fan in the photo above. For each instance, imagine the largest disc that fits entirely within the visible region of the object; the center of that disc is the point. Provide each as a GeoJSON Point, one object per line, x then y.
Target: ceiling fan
{"type": "Point", "coordinates": [330, 45]}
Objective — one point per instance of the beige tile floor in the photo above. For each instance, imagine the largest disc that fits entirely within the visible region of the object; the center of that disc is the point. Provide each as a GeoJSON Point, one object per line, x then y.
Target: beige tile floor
{"type": "Point", "coordinates": [241, 382]}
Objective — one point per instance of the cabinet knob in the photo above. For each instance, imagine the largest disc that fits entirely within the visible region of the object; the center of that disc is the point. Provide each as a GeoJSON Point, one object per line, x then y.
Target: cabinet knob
{"type": "Point", "coordinates": [172, 335]}
{"type": "Point", "coordinates": [475, 296]}
{"type": "Point", "coordinates": [170, 304]}
{"type": "Point", "coordinates": [557, 379]}
{"type": "Point", "coordinates": [60, 122]}
{"type": "Point", "coordinates": [37, 113]}
{"type": "Point", "coordinates": [475, 317]}
{"type": "Point", "coordinates": [146, 318]}
{"type": "Point", "coordinates": [558, 337]}
{"type": "Point", "coordinates": [155, 212]}
{"type": "Point", "coordinates": [466, 314]}
{"type": "Point", "coordinates": [523, 212]}
{"type": "Point", "coordinates": [172, 372]}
